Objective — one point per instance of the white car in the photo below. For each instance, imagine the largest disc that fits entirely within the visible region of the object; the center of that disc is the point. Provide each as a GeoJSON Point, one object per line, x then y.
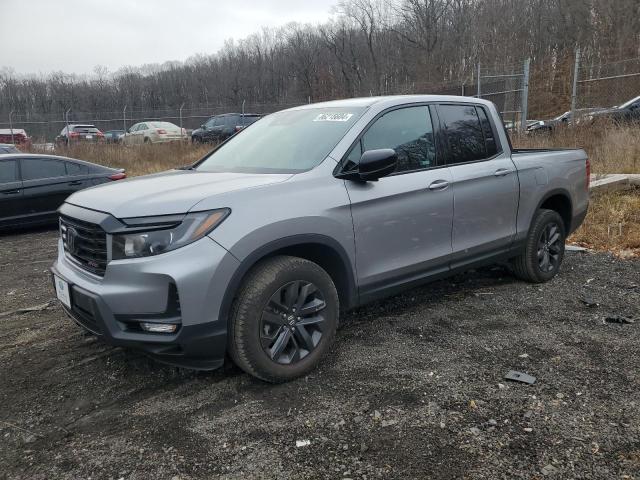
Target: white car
{"type": "Point", "coordinates": [154, 132]}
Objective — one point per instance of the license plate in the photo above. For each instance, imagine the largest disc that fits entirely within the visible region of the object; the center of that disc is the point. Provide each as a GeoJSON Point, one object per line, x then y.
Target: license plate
{"type": "Point", "coordinates": [62, 291]}
{"type": "Point", "coordinates": [89, 137]}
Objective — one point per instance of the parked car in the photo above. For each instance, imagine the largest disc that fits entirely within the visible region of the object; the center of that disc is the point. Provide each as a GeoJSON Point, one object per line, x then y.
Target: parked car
{"type": "Point", "coordinates": [257, 248]}
{"type": "Point", "coordinates": [15, 136]}
{"type": "Point", "coordinates": [79, 133]}
{"type": "Point", "coordinates": [548, 126]}
{"type": "Point", "coordinates": [219, 128]}
{"type": "Point", "coordinates": [114, 136]}
{"type": "Point", "coordinates": [33, 186]}
{"type": "Point", "coordinates": [627, 112]}
{"type": "Point", "coordinates": [154, 132]}
{"type": "Point", "coordinates": [8, 148]}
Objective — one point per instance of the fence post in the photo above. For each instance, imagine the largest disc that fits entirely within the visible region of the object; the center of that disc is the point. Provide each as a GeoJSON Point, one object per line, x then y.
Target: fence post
{"type": "Point", "coordinates": [479, 83]}
{"type": "Point", "coordinates": [574, 93]}
{"type": "Point", "coordinates": [11, 126]}
{"type": "Point", "coordinates": [525, 96]}
{"type": "Point", "coordinates": [124, 119]}
{"type": "Point", "coordinates": [66, 121]}
{"type": "Point", "coordinates": [181, 106]}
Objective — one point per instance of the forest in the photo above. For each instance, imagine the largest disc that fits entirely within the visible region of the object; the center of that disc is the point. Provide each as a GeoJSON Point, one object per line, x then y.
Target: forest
{"type": "Point", "coordinates": [368, 47]}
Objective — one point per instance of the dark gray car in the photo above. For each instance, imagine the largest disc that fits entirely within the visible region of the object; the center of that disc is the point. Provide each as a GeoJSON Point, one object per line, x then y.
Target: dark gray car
{"type": "Point", "coordinates": [256, 249]}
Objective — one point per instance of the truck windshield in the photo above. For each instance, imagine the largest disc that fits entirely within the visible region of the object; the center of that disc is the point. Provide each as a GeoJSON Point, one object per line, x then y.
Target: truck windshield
{"type": "Point", "coordinates": [285, 142]}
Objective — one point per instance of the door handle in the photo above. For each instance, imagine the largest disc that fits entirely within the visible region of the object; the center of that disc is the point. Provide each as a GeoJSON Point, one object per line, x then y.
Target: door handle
{"type": "Point", "coordinates": [502, 172]}
{"type": "Point", "coordinates": [74, 184]}
{"type": "Point", "coordinates": [11, 192]}
{"type": "Point", "coordinates": [439, 185]}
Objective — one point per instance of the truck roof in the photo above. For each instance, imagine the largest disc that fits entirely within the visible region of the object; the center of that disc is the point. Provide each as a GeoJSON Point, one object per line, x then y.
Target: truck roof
{"type": "Point", "coordinates": [390, 100]}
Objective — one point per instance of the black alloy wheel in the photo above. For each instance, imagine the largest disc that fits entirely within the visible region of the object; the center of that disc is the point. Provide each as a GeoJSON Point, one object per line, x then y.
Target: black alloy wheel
{"type": "Point", "coordinates": [292, 323]}
{"type": "Point", "coordinates": [550, 248]}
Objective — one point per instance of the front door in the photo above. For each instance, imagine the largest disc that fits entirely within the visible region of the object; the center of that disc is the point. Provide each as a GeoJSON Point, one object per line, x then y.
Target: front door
{"type": "Point", "coordinates": [485, 184]}
{"type": "Point", "coordinates": [402, 222]}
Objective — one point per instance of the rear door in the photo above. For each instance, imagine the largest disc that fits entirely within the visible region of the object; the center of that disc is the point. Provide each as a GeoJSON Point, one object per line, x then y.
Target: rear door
{"type": "Point", "coordinates": [485, 184]}
{"type": "Point", "coordinates": [11, 205]}
{"type": "Point", "coordinates": [46, 185]}
{"type": "Point", "coordinates": [402, 223]}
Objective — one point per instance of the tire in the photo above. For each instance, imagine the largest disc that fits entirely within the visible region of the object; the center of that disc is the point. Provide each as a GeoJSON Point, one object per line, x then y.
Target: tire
{"type": "Point", "coordinates": [147, 141]}
{"type": "Point", "coordinates": [542, 243]}
{"type": "Point", "coordinates": [266, 337]}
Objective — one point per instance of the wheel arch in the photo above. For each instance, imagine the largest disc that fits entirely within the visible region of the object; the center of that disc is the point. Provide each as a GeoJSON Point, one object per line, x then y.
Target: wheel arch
{"type": "Point", "coordinates": [320, 249]}
{"type": "Point", "coordinates": [558, 200]}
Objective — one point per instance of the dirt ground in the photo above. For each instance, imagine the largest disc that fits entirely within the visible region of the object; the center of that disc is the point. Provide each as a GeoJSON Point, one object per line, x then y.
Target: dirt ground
{"type": "Point", "coordinates": [414, 388]}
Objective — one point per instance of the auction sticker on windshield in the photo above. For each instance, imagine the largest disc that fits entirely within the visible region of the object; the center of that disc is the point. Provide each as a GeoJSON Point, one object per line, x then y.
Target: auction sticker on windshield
{"type": "Point", "coordinates": [333, 117]}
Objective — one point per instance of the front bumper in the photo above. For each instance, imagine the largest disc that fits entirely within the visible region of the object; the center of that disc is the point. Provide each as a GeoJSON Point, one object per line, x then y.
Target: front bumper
{"type": "Point", "coordinates": [184, 287]}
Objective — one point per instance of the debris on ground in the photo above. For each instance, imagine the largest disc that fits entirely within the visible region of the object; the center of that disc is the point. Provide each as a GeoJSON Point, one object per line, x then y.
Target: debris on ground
{"type": "Point", "coordinates": [20, 311]}
{"type": "Point", "coordinates": [589, 302]}
{"type": "Point", "coordinates": [302, 443]}
{"type": "Point", "coordinates": [575, 248]}
{"type": "Point", "coordinates": [520, 377]}
{"type": "Point", "coordinates": [619, 320]}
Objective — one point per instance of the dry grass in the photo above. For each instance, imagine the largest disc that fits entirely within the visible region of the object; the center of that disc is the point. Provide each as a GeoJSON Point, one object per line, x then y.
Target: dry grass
{"type": "Point", "coordinates": [611, 148]}
{"type": "Point", "coordinates": [613, 223]}
{"type": "Point", "coordinates": [139, 160]}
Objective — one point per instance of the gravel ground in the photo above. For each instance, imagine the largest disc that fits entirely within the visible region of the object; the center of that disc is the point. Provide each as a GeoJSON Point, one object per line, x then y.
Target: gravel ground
{"type": "Point", "coordinates": [413, 388]}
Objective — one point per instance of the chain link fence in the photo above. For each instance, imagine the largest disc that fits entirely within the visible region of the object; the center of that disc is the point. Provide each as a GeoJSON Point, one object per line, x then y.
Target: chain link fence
{"type": "Point", "coordinates": [603, 83]}
{"type": "Point", "coordinates": [540, 90]}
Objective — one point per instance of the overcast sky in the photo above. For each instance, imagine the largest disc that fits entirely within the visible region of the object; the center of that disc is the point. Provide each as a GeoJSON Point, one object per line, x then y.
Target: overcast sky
{"type": "Point", "coordinates": [40, 36]}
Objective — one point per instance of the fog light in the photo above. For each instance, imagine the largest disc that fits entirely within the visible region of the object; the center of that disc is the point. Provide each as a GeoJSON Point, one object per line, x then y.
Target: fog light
{"type": "Point", "coordinates": [158, 327]}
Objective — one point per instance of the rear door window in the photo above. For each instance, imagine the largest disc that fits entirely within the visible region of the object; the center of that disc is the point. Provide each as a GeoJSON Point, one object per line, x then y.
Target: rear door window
{"type": "Point", "coordinates": [464, 133]}
{"type": "Point", "coordinates": [38, 168]}
{"type": "Point", "coordinates": [8, 171]}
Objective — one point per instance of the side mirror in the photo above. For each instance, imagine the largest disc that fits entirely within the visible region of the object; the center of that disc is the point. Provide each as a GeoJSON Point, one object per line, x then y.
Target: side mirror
{"type": "Point", "coordinates": [375, 164]}
{"type": "Point", "coordinates": [203, 127]}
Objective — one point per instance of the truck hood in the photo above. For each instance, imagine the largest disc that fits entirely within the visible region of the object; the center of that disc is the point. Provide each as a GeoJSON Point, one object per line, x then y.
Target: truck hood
{"type": "Point", "coordinates": [166, 193]}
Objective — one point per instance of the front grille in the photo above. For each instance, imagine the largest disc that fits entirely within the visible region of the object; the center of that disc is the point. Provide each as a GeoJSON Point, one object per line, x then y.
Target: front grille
{"type": "Point", "coordinates": [85, 243]}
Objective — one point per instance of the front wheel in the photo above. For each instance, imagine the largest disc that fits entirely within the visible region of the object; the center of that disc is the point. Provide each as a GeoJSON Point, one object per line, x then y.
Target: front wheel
{"type": "Point", "coordinates": [284, 319]}
{"type": "Point", "coordinates": [544, 250]}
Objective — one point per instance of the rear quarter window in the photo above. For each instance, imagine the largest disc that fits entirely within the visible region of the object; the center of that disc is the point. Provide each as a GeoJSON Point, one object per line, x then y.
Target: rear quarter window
{"type": "Point", "coordinates": [76, 169]}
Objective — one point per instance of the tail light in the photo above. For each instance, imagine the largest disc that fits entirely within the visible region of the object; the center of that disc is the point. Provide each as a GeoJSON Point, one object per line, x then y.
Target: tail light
{"type": "Point", "coordinates": [161, 131]}
{"type": "Point", "coordinates": [74, 134]}
{"type": "Point", "coordinates": [588, 168]}
{"type": "Point", "coordinates": [238, 128]}
{"type": "Point", "coordinates": [118, 176]}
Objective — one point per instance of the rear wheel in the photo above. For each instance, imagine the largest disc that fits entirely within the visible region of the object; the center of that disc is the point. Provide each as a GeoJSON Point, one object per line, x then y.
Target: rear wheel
{"type": "Point", "coordinates": [284, 319]}
{"type": "Point", "coordinates": [544, 249]}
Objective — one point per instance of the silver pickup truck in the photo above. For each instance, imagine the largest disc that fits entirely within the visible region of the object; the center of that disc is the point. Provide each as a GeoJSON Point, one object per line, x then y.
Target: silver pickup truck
{"type": "Point", "coordinates": [255, 250]}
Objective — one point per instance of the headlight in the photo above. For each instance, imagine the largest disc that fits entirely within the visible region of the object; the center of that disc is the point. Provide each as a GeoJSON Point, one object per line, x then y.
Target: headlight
{"type": "Point", "coordinates": [153, 238]}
